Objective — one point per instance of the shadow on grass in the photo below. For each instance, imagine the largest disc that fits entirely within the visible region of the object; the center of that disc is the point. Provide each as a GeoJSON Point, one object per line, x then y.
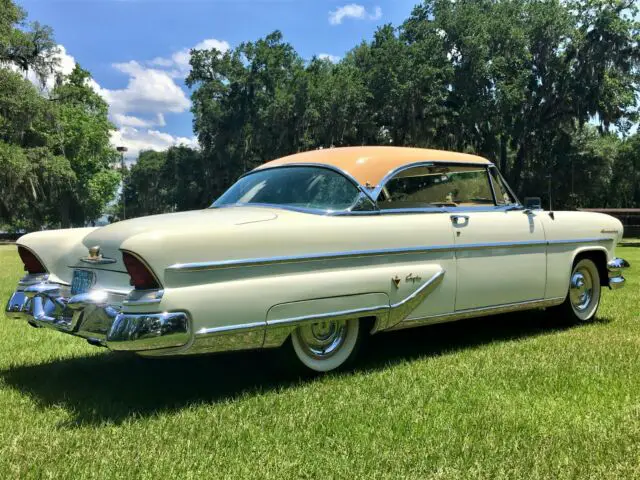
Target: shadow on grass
{"type": "Point", "coordinates": [113, 388]}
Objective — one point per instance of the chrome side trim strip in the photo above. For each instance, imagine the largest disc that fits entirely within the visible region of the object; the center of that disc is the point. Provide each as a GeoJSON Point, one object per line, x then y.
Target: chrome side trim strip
{"type": "Point", "coordinates": [585, 240]}
{"type": "Point", "coordinates": [254, 262]}
{"type": "Point", "coordinates": [302, 258]}
{"type": "Point", "coordinates": [207, 332]}
{"type": "Point", "coordinates": [478, 312]}
{"type": "Point", "coordinates": [344, 314]}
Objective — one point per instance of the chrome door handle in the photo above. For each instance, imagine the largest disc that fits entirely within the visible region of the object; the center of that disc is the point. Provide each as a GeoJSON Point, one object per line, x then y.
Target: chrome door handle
{"type": "Point", "coordinates": [460, 220]}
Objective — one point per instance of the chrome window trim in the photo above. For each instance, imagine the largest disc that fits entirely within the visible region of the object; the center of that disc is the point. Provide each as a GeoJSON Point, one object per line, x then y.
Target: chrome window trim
{"type": "Point", "coordinates": [371, 194]}
{"type": "Point", "coordinates": [392, 173]}
{"type": "Point", "coordinates": [313, 211]}
{"type": "Point", "coordinates": [255, 262]}
{"type": "Point", "coordinates": [457, 210]}
{"type": "Point", "coordinates": [347, 175]}
{"type": "Point", "coordinates": [505, 183]}
{"type": "Point", "coordinates": [493, 188]}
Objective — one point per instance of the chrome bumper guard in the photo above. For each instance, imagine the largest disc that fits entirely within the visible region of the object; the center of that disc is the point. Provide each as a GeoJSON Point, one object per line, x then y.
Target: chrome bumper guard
{"type": "Point", "coordinates": [97, 317]}
{"type": "Point", "coordinates": [615, 268]}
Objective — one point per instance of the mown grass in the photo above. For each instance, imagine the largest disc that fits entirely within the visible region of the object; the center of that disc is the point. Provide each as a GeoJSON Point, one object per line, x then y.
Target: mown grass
{"type": "Point", "coordinates": [517, 396]}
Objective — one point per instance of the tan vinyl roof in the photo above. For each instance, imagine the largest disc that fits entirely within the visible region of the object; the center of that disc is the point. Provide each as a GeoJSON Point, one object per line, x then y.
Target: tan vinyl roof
{"type": "Point", "coordinates": [369, 165]}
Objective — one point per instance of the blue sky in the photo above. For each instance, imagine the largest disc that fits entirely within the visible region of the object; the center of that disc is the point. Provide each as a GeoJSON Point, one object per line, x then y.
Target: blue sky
{"type": "Point", "coordinates": [136, 49]}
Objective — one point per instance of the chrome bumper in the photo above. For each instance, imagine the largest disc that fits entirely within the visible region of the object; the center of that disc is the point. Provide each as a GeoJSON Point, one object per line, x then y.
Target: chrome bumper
{"type": "Point", "coordinates": [97, 317]}
{"type": "Point", "coordinates": [615, 268]}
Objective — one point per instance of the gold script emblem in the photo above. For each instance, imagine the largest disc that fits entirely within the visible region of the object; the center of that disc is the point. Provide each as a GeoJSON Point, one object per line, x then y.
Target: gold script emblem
{"type": "Point", "coordinates": [413, 278]}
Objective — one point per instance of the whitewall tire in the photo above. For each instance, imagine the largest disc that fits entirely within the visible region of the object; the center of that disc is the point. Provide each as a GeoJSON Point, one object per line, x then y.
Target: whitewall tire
{"type": "Point", "coordinates": [326, 346]}
{"type": "Point", "coordinates": [583, 298]}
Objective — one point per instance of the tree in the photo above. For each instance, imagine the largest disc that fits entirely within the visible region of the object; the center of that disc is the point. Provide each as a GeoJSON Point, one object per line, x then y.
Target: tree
{"type": "Point", "coordinates": [82, 136]}
{"type": "Point", "coordinates": [54, 151]}
{"type": "Point", "coordinates": [166, 181]}
{"type": "Point", "coordinates": [26, 46]}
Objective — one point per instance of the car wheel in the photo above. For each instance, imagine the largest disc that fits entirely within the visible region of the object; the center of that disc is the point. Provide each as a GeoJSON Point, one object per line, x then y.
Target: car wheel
{"type": "Point", "coordinates": [583, 298]}
{"type": "Point", "coordinates": [326, 346]}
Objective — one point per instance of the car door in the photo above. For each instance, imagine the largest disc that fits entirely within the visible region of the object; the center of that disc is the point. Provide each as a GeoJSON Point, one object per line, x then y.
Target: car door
{"type": "Point", "coordinates": [407, 212]}
{"type": "Point", "coordinates": [500, 252]}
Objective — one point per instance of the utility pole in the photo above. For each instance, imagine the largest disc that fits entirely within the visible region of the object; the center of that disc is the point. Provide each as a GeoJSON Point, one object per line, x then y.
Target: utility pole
{"type": "Point", "coordinates": [122, 151]}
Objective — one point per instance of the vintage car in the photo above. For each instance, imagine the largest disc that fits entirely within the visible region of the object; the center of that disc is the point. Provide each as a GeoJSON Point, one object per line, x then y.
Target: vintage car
{"type": "Point", "coordinates": [316, 251]}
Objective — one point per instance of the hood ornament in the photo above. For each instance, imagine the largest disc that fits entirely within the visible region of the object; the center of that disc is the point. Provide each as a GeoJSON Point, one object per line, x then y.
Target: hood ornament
{"type": "Point", "coordinates": [96, 258]}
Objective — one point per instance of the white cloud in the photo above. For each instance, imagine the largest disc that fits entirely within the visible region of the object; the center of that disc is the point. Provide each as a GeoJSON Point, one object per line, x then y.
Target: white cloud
{"type": "Point", "coordinates": [178, 64]}
{"type": "Point", "coordinates": [138, 139]}
{"type": "Point", "coordinates": [353, 10]}
{"type": "Point", "coordinates": [139, 109]}
{"type": "Point", "coordinates": [148, 91]}
{"type": "Point", "coordinates": [137, 122]}
{"type": "Point", "coordinates": [328, 56]}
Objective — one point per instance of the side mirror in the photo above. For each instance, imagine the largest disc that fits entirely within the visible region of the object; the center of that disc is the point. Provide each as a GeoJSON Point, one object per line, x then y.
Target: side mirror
{"type": "Point", "coordinates": [533, 203]}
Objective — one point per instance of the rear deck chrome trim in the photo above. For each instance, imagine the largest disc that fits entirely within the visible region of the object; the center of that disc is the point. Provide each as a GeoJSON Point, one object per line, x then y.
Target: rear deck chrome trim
{"type": "Point", "coordinates": [255, 262]}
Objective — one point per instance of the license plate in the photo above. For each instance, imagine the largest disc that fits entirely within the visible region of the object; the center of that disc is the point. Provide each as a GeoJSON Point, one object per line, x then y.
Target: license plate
{"type": "Point", "coordinates": [82, 282]}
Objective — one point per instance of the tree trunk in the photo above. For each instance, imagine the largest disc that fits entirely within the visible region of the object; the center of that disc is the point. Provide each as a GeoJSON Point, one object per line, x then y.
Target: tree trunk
{"type": "Point", "coordinates": [65, 221]}
{"type": "Point", "coordinates": [503, 155]}
{"type": "Point", "coordinates": [518, 168]}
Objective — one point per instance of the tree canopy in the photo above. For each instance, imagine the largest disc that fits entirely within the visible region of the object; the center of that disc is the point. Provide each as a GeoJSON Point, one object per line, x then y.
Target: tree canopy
{"type": "Point", "coordinates": [55, 153]}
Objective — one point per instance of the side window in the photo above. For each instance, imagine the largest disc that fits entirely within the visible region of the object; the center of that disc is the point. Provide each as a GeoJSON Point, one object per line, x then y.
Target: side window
{"type": "Point", "coordinates": [437, 186]}
{"type": "Point", "coordinates": [503, 197]}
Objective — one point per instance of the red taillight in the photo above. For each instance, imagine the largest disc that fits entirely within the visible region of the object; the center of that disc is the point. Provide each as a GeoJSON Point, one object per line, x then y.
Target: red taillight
{"type": "Point", "coordinates": [141, 276]}
{"type": "Point", "coordinates": [31, 262]}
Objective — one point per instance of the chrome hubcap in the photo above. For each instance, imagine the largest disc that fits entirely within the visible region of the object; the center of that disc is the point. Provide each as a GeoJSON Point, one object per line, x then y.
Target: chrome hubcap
{"type": "Point", "coordinates": [323, 339]}
{"type": "Point", "coordinates": [581, 291]}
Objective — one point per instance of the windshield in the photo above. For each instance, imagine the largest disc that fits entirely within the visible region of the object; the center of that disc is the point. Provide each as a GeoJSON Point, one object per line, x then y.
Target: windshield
{"type": "Point", "coordinates": [301, 187]}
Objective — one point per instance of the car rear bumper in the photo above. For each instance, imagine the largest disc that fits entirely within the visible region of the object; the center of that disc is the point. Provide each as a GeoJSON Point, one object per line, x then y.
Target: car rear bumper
{"type": "Point", "coordinates": [615, 268]}
{"type": "Point", "coordinates": [97, 316]}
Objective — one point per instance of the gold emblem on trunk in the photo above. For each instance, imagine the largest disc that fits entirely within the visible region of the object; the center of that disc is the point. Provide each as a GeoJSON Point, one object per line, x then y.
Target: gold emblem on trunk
{"type": "Point", "coordinates": [95, 257]}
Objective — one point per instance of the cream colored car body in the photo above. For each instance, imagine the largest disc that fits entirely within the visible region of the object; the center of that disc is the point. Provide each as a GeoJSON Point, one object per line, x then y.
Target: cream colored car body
{"type": "Point", "coordinates": [246, 276]}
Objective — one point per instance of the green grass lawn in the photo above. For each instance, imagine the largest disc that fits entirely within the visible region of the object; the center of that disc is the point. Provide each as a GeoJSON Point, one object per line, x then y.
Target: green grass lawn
{"type": "Point", "coordinates": [516, 396]}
